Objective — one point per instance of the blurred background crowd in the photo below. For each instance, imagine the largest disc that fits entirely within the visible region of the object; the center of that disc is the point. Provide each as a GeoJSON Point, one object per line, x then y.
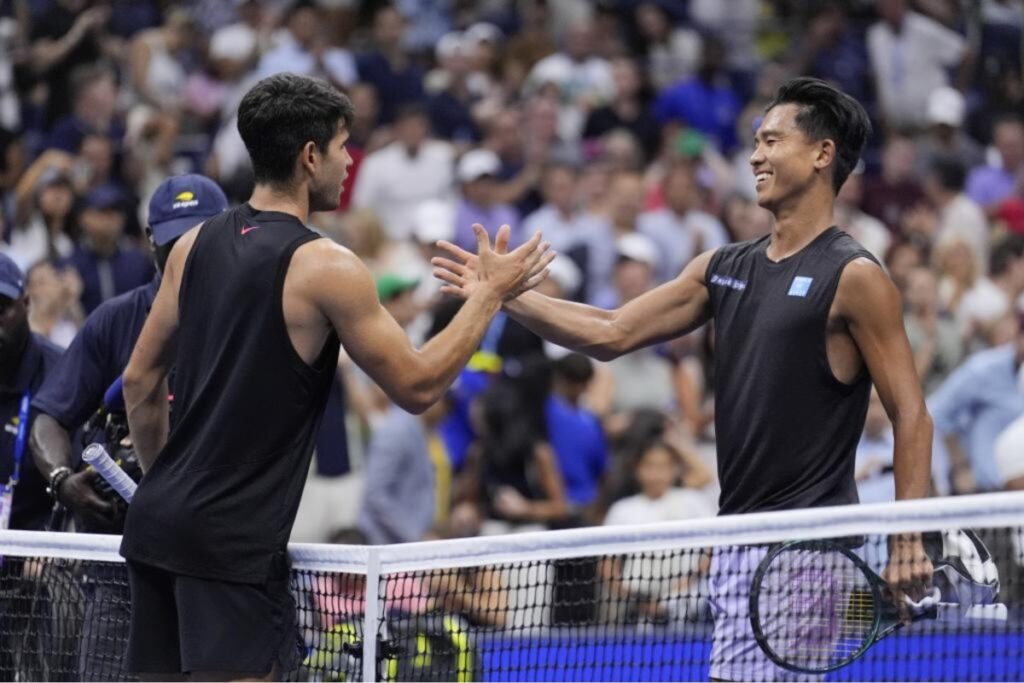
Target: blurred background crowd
{"type": "Point", "coordinates": [622, 129]}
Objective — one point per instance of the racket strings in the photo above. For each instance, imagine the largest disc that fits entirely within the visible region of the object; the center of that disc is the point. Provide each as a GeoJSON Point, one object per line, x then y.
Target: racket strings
{"type": "Point", "coordinates": [820, 608]}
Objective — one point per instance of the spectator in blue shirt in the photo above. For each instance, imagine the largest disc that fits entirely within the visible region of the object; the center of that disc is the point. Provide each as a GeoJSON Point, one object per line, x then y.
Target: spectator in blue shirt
{"type": "Point", "coordinates": [107, 265]}
{"type": "Point", "coordinates": [977, 402]}
{"type": "Point", "coordinates": [706, 102]}
{"type": "Point", "coordinates": [989, 186]}
{"type": "Point", "coordinates": [575, 433]}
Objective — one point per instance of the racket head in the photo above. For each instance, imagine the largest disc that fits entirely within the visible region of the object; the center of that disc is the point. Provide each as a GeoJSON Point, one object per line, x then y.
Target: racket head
{"type": "Point", "coordinates": [815, 606]}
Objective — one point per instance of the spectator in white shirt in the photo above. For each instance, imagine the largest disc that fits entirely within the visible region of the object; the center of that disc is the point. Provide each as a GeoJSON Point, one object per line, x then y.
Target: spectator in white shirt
{"type": "Point", "coordinates": [987, 304]}
{"type": "Point", "coordinates": [910, 55]}
{"type": "Point", "coordinates": [395, 179]}
{"type": "Point", "coordinates": [959, 217]}
{"type": "Point", "coordinates": [680, 229]}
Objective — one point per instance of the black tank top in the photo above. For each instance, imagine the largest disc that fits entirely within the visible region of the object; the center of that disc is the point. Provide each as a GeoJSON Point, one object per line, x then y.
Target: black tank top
{"type": "Point", "coordinates": [221, 498]}
{"type": "Point", "coordinates": [786, 427]}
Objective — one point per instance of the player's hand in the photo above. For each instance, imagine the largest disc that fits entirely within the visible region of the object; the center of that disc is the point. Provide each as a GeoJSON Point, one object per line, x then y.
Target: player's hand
{"type": "Point", "coordinates": [909, 571]}
{"type": "Point", "coordinates": [508, 274]}
{"type": "Point", "coordinates": [79, 494]}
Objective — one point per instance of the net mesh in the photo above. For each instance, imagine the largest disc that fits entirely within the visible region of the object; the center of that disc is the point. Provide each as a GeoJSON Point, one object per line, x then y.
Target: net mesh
{"type": "Point", "coordinates": [639, 603]}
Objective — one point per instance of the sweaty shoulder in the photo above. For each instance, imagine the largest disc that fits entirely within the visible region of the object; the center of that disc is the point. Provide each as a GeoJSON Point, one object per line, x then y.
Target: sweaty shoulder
{"type": "Point", "coordinates": [865, 288]}
{"type": "Point", "coordinates": [323, 269]}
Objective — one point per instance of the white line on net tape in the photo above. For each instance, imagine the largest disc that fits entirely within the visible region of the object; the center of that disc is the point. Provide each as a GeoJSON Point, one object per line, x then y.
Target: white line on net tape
{"type": "Point", "coordinates": [96, 455]}
{"type": "Point", "coordinates": [985, 511]}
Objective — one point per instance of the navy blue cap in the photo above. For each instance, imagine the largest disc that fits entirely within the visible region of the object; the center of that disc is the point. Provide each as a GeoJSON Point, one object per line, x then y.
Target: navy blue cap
{"type": "Point", "coordinates": [12, 280]}
{"type": "Point", "coordinates": [182, 202]}
{"type": "Point", "coordinates": [104, 197]}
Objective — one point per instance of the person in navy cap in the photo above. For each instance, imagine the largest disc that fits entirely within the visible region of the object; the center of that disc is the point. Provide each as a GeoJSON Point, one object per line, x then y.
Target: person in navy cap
{"type": "Point", "coordinates": [106, 264]}
{"type": "Point", "coordinates": [74, 393]}
{"type": "Point", "coordinates": [25, 360]}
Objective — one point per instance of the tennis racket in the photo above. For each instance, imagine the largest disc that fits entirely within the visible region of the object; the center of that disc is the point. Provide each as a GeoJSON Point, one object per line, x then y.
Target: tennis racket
{"type": "Point", "coordinates": [815, 607]}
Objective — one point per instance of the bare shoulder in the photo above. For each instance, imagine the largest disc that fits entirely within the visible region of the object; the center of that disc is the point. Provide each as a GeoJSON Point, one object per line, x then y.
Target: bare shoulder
{"type": "Point", "coordinates": [865, 288]}
{"type": "Point", "coordinates": [322, 267]}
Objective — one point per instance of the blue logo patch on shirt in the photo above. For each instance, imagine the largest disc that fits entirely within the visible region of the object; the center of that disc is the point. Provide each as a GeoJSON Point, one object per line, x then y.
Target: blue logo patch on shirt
{"type": "Point", "coordinates": [801, 285]}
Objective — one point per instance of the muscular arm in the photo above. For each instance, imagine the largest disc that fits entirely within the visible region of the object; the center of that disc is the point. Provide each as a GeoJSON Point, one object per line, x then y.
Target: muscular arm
{"type": "Point", "coordinates": [341, 286]}
{"type": "Point", "coordinates": [145, 378]}
{"type": "Point", "coordinates": [870, 304]}
{"type": "Point", "coordinates": [673, 309]}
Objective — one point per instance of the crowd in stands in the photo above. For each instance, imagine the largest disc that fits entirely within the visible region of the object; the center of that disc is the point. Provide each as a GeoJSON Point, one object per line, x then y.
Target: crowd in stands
{"type": "Point", "coordinates": [621, 129]}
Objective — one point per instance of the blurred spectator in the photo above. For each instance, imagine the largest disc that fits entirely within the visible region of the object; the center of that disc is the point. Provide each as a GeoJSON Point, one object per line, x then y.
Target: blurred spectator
{"type": "Point", "coordinates": [910, 55]}
{"type": "Point", "coordinates": [583, 81]}
{"type": "Point", "coordinates": [833, 50]}
{"type": "Point", "coordinates": [955, 266]}
{"type": "Point", "coordinates": [397, 78]}
{"type": "Point", "coordinates": [659, 471]}
{"type": "Point", "coordinates": [95, 95]}
{"type": "Point", "coordinates": [868, 230]}
{"type": "Point", "coordinates": [304, 49]}
{"type": "Point", "coordinates": [958, 217]}
{"type": "Point", "coordinates": [934, 334]}
{"type": "Point", "coordinates": [624, 201]}
{"type": "Point", "coordinates": [64, 35]}
{"type": "Point", "coordinates": [106, 262]}
{"type": "Point", "coordinates": [990, 185]}
{"type": "Point", "coordinates": [897, 190]}
{"type": "Point", "coordinates": [1010, 455]}
{"type": "Point", "coordinates": [736, 22]}
{"type": "Point", "coordinates": [975, 404]}
{"type": "Point", "coordinates": [984, 308]}
{"type": "Point", "coordinates": [412, 169]}
{"type": "Point", "coordinates": [479, 202]}
{"type": "Point", "coordinates": [680, 230]}
{"type": "Point", "coordinates": [873, 463]}
{"type": "Point", "coordinates": [407, 477]}
{"type": "Point", "coordinates": [26, 359]}
{"type": "Point", "coordinates": [707, 102]}
{"type": "Point", "coordinates": [512, 474]}
{"type": "Point", "coordinates": [945, 137]}
{"type": "Point", "coordinates": [157, 73]}
{"type": "Point", "coordinates": [672, 51]}
{"type": "Point", "coordinates": [55, 313]}
{"type": "Point", "coordinates": [44, 218]}
{"type": "Point", "coordinates": [629, 109]}
{"type": "Point", "coordinates": [575, 434]}
{"type": "Point", "coordinates": [451, 97]}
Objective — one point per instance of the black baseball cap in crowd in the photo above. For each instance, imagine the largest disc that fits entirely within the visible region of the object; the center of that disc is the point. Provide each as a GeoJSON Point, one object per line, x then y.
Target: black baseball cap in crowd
{"type": "Point", "coordinates": [182, 202]}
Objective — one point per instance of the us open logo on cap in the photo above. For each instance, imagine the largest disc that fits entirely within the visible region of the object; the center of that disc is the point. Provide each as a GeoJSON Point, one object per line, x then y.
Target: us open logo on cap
{"type": "Point", "coordinates": [185, 200]}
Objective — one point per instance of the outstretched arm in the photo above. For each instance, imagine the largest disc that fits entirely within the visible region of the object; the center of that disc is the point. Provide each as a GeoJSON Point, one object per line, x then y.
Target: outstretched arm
{"type": "Point", "coordinates": [342, 287]}
{"type": "Point", "coordinates": [673, 309]}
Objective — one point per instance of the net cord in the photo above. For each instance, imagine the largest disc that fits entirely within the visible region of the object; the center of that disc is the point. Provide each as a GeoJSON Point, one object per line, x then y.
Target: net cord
{"type": "Point", "coordinates": [981, 511]}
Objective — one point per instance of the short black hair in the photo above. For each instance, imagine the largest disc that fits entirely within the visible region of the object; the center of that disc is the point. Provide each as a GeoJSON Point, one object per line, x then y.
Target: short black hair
{"type": "Point", "coordinates": [1005, 252]}
{"type": "Point", "coordinates": [574, 367]}
{"type": "Point", "coordinates": [950, 173]}
{"type": "Point", "coordinates": [280, 114]}
{"type": "Point", "coordinates": [827, 112]}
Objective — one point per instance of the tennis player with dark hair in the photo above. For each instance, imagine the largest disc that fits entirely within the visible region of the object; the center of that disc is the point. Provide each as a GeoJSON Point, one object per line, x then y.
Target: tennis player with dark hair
{"type": "Point", "coordinates": [805, 321]}
{"type": "Point", "coordinates": [251, 311]}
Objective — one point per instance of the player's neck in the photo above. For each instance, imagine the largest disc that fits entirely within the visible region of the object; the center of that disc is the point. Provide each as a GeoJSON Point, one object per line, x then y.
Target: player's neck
{"type": "Point", "coordinates": [797, 226]}
{"type": "Point", "coordinates": [267, 197]}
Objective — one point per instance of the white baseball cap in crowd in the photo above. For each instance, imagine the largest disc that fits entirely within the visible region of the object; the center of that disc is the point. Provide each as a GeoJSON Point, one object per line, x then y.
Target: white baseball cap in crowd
{"type": "Point", "coordinates": [476, 164]}
{"type": "Point", "coordinates": [946, 106]}
{"type": "Point", "coordinates": [433, 220]}
{"type": "Point", "coordinates": [637, 247]}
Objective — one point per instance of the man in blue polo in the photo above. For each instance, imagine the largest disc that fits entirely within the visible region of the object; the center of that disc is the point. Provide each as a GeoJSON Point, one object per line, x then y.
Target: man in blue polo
{"type": "Point", "coordinates": [74, 392]}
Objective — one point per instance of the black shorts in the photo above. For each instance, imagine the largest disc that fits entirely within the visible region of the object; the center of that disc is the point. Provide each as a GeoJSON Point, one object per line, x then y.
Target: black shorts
{"type": "Point", "coordinates": [183, 624]}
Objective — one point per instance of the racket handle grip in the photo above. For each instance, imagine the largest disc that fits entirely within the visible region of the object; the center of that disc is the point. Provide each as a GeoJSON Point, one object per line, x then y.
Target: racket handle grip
{"type": "Point", "coordinates": [96, 455]}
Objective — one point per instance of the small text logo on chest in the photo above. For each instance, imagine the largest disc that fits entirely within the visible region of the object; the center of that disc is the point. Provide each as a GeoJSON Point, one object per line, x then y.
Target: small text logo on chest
{"type": "Point", "coordinates": [801, 285]}
{"type": "Point", "coordinates": [726, 281]}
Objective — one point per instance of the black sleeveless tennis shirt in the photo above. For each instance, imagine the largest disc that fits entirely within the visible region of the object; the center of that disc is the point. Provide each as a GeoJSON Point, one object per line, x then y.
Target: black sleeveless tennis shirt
{"type": "Point", "coordinates": [221, 498]}
{"type": "Point", "coordinates": [786, 428]}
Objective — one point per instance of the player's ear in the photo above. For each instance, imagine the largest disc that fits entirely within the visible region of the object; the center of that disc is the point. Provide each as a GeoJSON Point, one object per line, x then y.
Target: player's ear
{"type": "Point", "coordinates": [825, 154]}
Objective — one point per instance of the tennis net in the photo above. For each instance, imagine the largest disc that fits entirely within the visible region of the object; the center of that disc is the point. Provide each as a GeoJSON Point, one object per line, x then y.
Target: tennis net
{"type": "Point", "coordinates": [609, 603]}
